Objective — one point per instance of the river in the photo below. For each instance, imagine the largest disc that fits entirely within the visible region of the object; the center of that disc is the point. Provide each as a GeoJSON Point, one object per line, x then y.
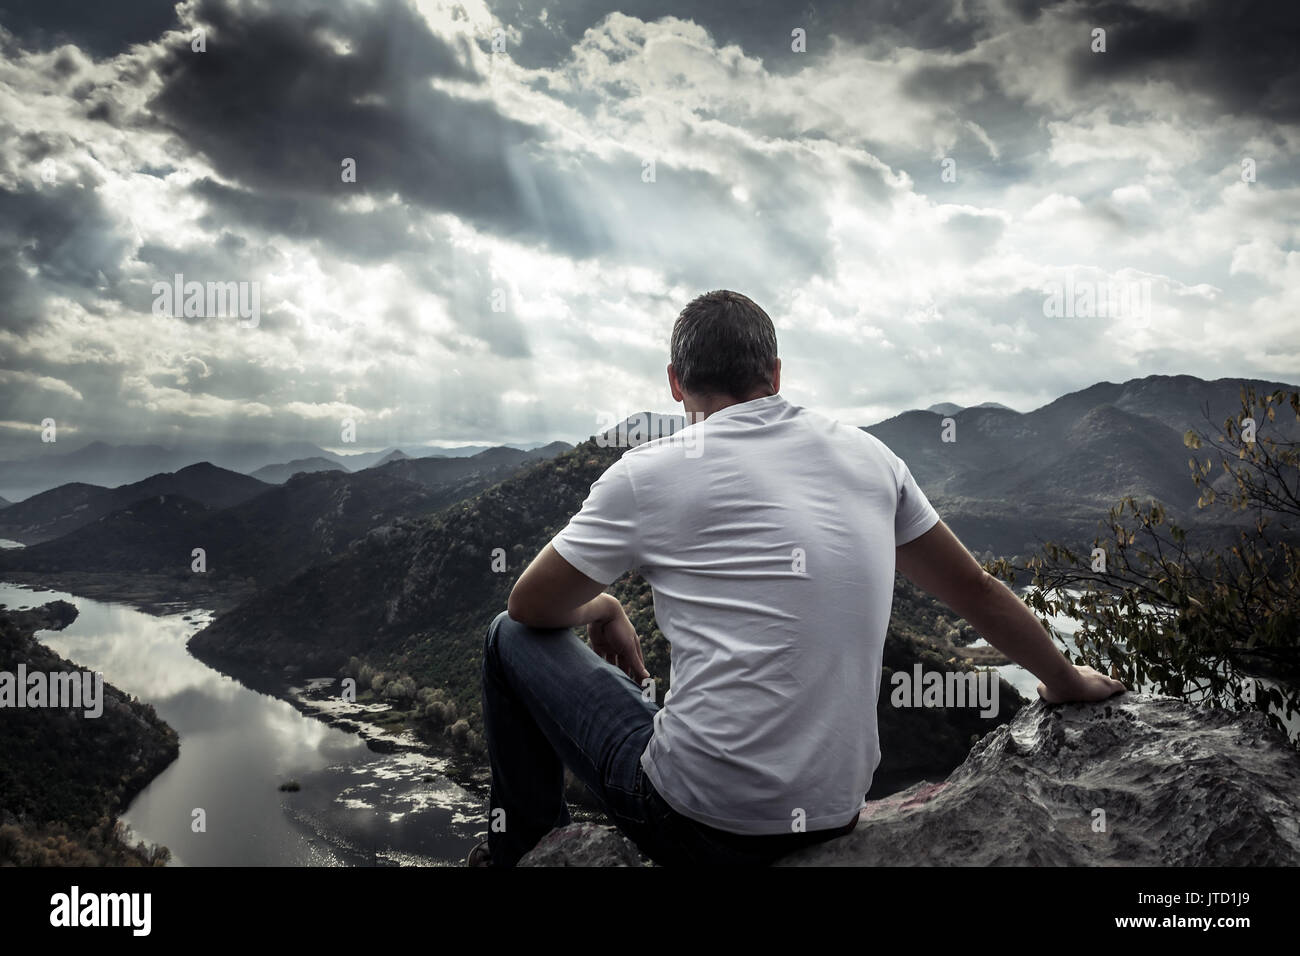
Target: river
{"type": "Point", "coordinates": [355, 806]}
{"type": "Point", "coordinates": [237, 746]}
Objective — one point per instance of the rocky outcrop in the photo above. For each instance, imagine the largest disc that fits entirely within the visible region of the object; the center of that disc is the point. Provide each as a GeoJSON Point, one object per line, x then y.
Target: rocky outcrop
{"type": "Point", "coordinates": [51, 616]}
{"type": "Point", "coordinates": [584, 844]}
{"type": "Point", "coordinates": [1135, 780]}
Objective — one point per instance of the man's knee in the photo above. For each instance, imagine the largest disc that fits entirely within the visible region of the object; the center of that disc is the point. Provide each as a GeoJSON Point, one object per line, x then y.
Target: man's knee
{"type": "Point", "coordinates": [493, 633]}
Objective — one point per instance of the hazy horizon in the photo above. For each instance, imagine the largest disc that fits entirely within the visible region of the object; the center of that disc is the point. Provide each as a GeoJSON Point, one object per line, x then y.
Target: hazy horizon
{"type": "Point", "coordinates": [424, 445]}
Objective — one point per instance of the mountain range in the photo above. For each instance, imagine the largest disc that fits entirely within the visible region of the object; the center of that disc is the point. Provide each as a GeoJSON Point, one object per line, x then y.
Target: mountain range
{"type": "Point", "coordinates": [402, 565]}
{"type": "Point", "coordinates": [99, 463]}
{"type": "Point", "coordinates": [59, 511]}
{"type": "Point", "coordinates": [1010, 479]}
{"type": "Point", "coordinates": [414, 595]}
{"type": "Point", "coordinates": [248, 530]}
{"type": "Point", "coordinates": [1003, 480]}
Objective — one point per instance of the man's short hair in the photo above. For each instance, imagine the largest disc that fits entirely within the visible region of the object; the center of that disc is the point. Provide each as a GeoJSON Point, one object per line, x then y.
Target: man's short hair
{"type": "Point", "coordinates": [723, 344]}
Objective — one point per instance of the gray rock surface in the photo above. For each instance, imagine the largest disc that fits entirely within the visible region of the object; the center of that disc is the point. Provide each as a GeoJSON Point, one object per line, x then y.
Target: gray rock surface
{"type": "Point", "coordinates": [583, 844]}
{"type": "Point", "coordinates": [1179, 785]}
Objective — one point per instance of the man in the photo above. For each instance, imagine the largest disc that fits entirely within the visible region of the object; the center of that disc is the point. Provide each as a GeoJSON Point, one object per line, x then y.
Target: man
{"type": "Point", "coordinates": [770, 536]}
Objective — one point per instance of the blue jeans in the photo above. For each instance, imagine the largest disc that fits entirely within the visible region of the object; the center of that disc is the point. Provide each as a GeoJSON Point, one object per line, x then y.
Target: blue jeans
{"type": "Point", "coordinates": [550, 700]}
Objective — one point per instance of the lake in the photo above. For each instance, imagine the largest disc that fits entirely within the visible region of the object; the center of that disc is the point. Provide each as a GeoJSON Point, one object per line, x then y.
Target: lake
{"type": "Point", "coordinates": [355, 806]}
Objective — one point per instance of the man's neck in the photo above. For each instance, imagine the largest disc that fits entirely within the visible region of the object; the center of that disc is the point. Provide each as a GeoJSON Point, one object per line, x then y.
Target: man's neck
{"type": "Point", "coordinates": [706, 406]}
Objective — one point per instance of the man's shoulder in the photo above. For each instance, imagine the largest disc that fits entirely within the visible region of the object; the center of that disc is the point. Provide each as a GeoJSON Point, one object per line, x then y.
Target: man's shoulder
{"type": "Point", "coordinates": [691, 441]}
{"type": "Point", "coordinates": [875, 443]}
{"type": "Point", "coordinates": [637, 460]}
{"type": "Point", "coordinates": [665, 447]}
{"type": "Point", "coordinates": [857, 444]}
{"type": "Point", "coordinates": [852, 435]}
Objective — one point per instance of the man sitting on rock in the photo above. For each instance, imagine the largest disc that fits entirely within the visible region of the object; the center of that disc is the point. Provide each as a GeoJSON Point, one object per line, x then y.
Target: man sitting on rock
{"type": "Point", "coordinates": [770, 536]}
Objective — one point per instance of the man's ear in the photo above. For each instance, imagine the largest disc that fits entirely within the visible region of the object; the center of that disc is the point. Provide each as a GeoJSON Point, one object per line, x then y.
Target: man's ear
{"type": "Point", "coordinates": [674, 385]}
{"type": "Point", "coordinates": [776, 377]}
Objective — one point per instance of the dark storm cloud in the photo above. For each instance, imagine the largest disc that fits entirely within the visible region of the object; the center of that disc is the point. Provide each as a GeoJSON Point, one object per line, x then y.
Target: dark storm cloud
{"type": "Point", "coordinates": [101, 28]}
{"type": "Point", "coordinates": [685, 224]}
{"type": "Point", "coordinates": [276, 107]}
{"type": "Point", "coordinates": [55, 238]}
{"type": "Point", "coordinates": [760, 27]}
{"type": "Point", "coordinates": [234, 380]}
{"type": "Point", "coordinates": [974, 91]}
{"type": "Point", "coordinates": [94, 410]}
{"type": "Point", "coordinates": [31, 147]}
{"type": "Point", "coordinates": [1241, 54]}
{"type": "Point", "coordinates": [373, 236]}
{"type": "Point", "coordinates": [466, 284]}
{"type": "Point", "coordinates": [958, 85]}
{"type": "Point", "coordinates": [224, 257]}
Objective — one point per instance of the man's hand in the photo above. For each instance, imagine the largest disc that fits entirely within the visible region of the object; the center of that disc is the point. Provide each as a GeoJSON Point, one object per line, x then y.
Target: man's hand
{"type": "Point", "coordinates": [1082, 684]}
{"type": "Point", "coordinates": [614, 638]}
{"type": "Point", "coordinates": [939, 564]}
{"type": "Point", "coordinates": [552, 593]}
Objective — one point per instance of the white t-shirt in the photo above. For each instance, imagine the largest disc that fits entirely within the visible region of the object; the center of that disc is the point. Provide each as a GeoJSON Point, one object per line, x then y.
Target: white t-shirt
{"type": "Point", "coordinates": [767, 533]}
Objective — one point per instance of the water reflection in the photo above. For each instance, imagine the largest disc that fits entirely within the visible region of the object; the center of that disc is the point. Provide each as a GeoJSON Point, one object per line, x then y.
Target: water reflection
{"type": "Point", "coordinates": [355, 806]}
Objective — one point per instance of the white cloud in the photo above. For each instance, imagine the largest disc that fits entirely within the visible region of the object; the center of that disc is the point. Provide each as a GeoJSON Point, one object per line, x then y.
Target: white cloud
{"type": "Point", "coordinates": [874, 270]}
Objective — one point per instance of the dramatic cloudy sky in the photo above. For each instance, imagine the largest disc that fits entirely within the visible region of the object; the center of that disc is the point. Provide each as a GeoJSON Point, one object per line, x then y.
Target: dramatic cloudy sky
{"type": "Point", "coordinates": [812, 181]}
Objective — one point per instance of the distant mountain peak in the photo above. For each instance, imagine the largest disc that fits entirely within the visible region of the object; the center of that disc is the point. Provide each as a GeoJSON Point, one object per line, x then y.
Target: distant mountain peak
{"type": "Point", "coordinates": [952, 408]}
{"type": "Point", "coordinates": [642, 427]}
{"type": "Point", "coordinates": [279, 474]}
{"type": "Point", "coordinates": [199, 466]}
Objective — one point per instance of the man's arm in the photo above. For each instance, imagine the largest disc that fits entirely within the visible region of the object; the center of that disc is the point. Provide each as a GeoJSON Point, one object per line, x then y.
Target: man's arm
{"type": "Point", "coordinates": [939, 564]}
{"type": "Point", "coordinates": [553, 593]}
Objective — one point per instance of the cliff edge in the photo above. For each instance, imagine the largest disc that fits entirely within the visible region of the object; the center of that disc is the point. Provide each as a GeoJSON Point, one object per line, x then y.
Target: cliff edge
{"type": "Point", "coordinates": [1136, 780]}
